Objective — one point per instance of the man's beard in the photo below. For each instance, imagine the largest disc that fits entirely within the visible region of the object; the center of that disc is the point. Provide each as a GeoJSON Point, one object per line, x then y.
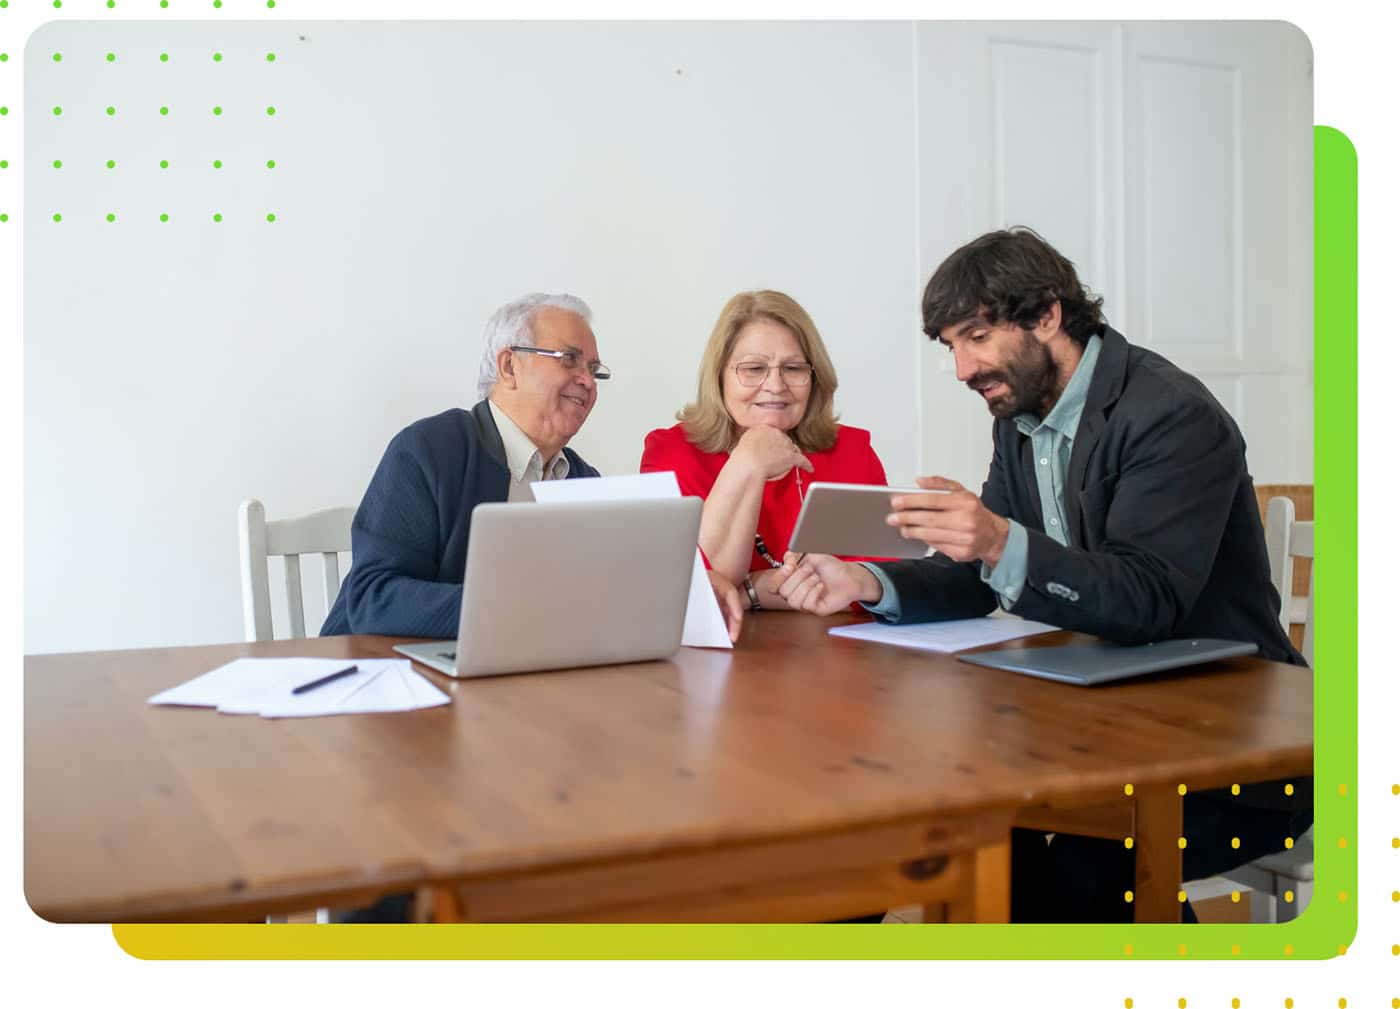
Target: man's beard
{"type": "Point", "coordinates": [1029, 378]}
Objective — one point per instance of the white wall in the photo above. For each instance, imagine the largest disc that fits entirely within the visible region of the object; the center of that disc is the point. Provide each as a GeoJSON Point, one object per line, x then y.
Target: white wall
{"type": "Point", "coordinates": [428, 172]}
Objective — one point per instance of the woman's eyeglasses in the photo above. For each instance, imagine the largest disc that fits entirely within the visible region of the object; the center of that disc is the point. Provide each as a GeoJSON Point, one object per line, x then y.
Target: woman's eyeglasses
{"type": "Point", "coordinates": [755, 373]}
{"type": "Point", "coordinates": [572, 360]}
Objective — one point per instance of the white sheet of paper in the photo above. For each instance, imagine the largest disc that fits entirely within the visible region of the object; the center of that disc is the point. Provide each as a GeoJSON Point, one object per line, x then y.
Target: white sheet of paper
{"type": "Point", "coordinates": [704, 623]}
{"type": "Point", "coordinates": [264, 687]}
{"type": "Point", "coordinates": [944, 635]}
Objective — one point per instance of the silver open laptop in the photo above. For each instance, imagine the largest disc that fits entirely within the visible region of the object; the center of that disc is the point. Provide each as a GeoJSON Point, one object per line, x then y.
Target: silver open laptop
{"type": "Point", "coordinates": [554, 586]}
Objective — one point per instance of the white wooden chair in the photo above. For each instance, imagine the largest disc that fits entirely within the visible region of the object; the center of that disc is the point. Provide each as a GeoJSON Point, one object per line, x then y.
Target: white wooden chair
{"type": "Point", "coordinates": [1282, 883]}
{"type": "Point", "coordinates": [324, 532]}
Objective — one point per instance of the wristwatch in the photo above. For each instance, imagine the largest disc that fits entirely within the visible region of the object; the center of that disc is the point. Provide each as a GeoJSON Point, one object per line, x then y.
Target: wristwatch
{"type": "Point", "coordinates": [753, 593]}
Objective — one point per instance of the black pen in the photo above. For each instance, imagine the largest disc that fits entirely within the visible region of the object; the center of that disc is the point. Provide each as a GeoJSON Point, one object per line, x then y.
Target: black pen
{"type": "Point", "coordinates": [324, 680]}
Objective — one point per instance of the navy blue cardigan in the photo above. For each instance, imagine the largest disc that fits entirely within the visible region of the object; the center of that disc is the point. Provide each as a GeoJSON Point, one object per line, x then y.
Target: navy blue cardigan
{"type": "Point", "coordinates": [409, 537]}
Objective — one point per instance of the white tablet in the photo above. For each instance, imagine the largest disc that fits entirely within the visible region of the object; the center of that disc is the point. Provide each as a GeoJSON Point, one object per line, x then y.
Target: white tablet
{"type": "Point", "coordinates": [849, 519]}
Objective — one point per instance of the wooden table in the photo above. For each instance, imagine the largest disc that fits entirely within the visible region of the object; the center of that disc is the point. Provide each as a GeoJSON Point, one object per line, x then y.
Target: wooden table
{"type": "Point", "coordinates": [800, 777]}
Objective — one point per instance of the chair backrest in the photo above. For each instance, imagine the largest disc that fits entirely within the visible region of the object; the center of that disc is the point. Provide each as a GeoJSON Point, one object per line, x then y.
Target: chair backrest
{"type": "Point", "coordinates": [324, 532]}
{"type": "Point", "coordinates": [1287, 538]}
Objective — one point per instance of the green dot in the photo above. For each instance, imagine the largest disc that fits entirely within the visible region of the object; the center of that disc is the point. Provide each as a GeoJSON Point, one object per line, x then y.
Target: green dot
{"type": "Point", "coordinates": [57, 163]}
{"type": "Point", "coordinates": [4, 110]}
{"type": "Point", "coordinates": [165, 3]}
{"type": "Point", "coordinates": [165, 57]}
{"type": "Point", "coordinates": [272, 57]}
{"type": "Point", "coordinates": [4, 163]}
{"type": "Point", "coordinates": [271, 4]}
{"type": "Point", "coordinates": [218, 110]}
{"type": "Point", "coordinates": [164, 163]}
{"type": "Point", "coordinates": [111, 110]}
{"type": "Point", "coordinates": [111, 164]}
{"type": "Point", "coordinates": [218, 3]}
{"type": "Point", "coordinates": [58, 110]}
{"type": "Point", "coordinates": [57, 4]}
{"type": "Point", "coordinates": [5, 57]}
{"type": "Point", "coordinates": [58, 57]}
{"type": "Point", "coordinates": [111, 218]}
{"type": "Point", "coordinates": [271, 163]}
{"type": "Point", "coordinates": [271, 218]}
{"type": "Point", "coordinates": [57, 218]}
{"type": "Point", "coordinates": [4, 218]}
{"type": "Point", "coordinates": [218, 57]}
{"type": "Point", "coordinates": [164, 217]}
{"type": "Point", "coordinates": [111, 4]}
{"type": "Point", "coordinates": [218, 163]}
{"type": "Point", "coordinates": [218, 218]}
{"type": "Point", "coordinates": [111, 57]}
{"type": "Point", "coordinates": [164, 111]}
{"type": "Point", "coordinates": [271, 111]}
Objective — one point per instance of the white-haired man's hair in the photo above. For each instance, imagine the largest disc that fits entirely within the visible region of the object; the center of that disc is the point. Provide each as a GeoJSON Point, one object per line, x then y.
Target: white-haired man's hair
{"type": "Point", "coordinates": [514, 324]}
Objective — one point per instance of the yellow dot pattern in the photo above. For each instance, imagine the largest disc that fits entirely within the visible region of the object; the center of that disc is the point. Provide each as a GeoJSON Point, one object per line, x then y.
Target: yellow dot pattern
{"type": "Point", "coordinates": [1288, 1003]}
{"type": "Point", "coordinates": [1181, 1003]}
{"type": "Point", "coordinates": [1288, 789]}
{"type": "Point", "coordinates": [1181, 896]}
{"type": "Point", "coordinates": [1127, 1003]}
{"type": "Point", "coordinates": [1128, 789]}
{"type": "Point", "coordinates": [1180, 789]}
{"type": "Point", "coordinates": [1128, 896]}
{"type": "Point", "coordinates": [1128, 843]}
{"type": "Point", "coordinates": [1181, 842]}
{"type": "Point", "coordinates": [1235, 789]}
{"type": "Point", "coordinates": [1235, 950]}
{"type": "Point", "coordinates": [1234, 1003]}
{"type": "Point", "coordinates": [1288, 896]}
{"type": "Point", "coordinates": [1234, 896]}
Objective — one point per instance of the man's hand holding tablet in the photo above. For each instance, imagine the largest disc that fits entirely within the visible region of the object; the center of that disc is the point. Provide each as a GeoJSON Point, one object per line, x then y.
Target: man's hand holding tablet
{"type": "Point", "coordinates": [949, 518]}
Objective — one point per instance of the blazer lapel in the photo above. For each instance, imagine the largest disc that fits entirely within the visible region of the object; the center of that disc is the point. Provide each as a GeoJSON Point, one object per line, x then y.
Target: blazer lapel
{"type": "Point", "coordinates": [1110, 374]}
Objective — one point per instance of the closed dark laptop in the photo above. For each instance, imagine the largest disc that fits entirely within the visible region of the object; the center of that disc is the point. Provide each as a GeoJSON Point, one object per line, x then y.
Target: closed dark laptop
{"type": "Point", "coordinates": [1104, 661]}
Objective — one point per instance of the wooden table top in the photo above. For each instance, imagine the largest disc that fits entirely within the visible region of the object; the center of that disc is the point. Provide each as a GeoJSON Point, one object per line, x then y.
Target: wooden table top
{"type": "Point", "coordinates": [135, 812]}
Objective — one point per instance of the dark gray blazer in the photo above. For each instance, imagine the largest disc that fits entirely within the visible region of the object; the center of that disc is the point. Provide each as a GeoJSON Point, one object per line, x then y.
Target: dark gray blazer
{"type": "Point", "coordinates": [1164, 530]}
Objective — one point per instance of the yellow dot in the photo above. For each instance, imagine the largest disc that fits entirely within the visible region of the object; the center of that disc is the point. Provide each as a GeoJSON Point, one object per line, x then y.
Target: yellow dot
{"type": "Point", "coordinates": [1128, 843]}
{"type": "Point", "coordinates": [1395, 894]}
{"type": "Point", "coordinates": [1128, 789]}
{"type": "Point", "coordinates": [1181, 896]}
{"type": "Point", "coordinates": [1341, 842]}
{"type": "Point", "coordinates": [1288, 842]}
{"type": "Point", "coordinates": [1234, 896]}
{"type": "Point", "coordinates": [1395, 790]}
{"type": "Point", "coordinates": [1181, 1003]}
{"type": "Point", "coordinates": [1234, 842]}
{"type": "Point", "coordinates": [1127, 1003]}
{"type": "Point", "coordinates": [1341, 1003]}
{"type": "Point", "coordinates": [1341, 789]}
{"type": "Point", "coordinates": [1288, 950]}
{"type": "Point", "coordinates": [1235, 950]}
{"type": "Point", "coordinates": [1288, 896]}
{"type": "Point", "coordinates": [1234, 1003]}
{"type": "Point", "coordinates": [1342, 949]}
{"type": "Point", "coordinates": [1128, 950]}
{"type": "Point", "coordinates": [1395, 951]}
{"type": "Point", "coordinates": [1128, 896]}
{"type": "Point", "coordinates": [1234, 789]}
{"type": "Point", "coordinates": [1180, 789]}
{"type": "Point", "coordinates": [1181, 842]}
{"type": "Point", "coordinates": [1288, 1003]}
{"type": "Point", "coordinates": [1395, 1002]}
{"type": "Point", "coordinates": [1288, 789]}
{"type": "Point", "coordinates": [1342, 896]}
{"type": "Point", "coordinates": [1394, 842]}
{"type": "Point", "coordinates": [1181, 951]}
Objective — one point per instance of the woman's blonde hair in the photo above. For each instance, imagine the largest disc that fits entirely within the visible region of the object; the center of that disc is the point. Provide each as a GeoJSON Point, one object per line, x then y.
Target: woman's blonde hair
{"type": "Point", "coordinates": [708, 425]}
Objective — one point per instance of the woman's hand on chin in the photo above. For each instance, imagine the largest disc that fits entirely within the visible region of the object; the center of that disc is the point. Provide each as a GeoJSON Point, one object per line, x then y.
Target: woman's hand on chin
{"type": "Point", "coordinates": [769, 452]}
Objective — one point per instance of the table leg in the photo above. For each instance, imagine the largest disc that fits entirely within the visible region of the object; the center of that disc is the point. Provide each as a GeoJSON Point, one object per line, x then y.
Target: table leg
{"type": "Point", "coordinates": [1158, 856]}
{"type": "Point", "coordinates": [987, 897]}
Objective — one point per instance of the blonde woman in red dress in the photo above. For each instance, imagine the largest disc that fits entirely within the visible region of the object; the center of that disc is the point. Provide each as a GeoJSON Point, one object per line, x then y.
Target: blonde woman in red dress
{"type": "Point", "coordinates": [760, 430]}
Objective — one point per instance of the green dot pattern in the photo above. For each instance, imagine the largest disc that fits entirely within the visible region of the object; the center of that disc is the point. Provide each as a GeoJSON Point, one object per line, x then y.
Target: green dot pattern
{"type": "Point", "coordinates": [58, 57]}
{"type": "Point", "coordinates": [111, 218]}
{"type": "Point", "coordinates": [218, 4]}
{"type": "Point", "coordinates": [57, 4]}
{"type": "Point", "coordinates": [57, 163]}
{"type": "Point", "coordinates": [4, 57]}
{"type": "Point", "coordinates": [57, 218]}
{"type": "Point", "coordinates": [271, 218]}
{"type": "Point", "coordinates": [111, 57]}
{"type": "Point", "coordinates": [111, 164]}
{"type": "Point", "coordinates": [218, 110]}
{"type": "Point", "coordinates": [271, 111]}
{"type": "Point", "coordinates": [111, 4]}
{"type": "Point", "coordinates": [271, 4]}
{"type": "Point", "coordinates": [218, 163]}
{"type": "Point", "coordinates": [164, 111]}
{"type": "Point", "coordinates": [218, 57]}
{"type": "Point", "coordinates": [111, 110]}
{"type": "Point", "coordinates": [58, 110]}
{"type": "Point", "coordinates": [4, 110]}
{"type": "Point", "coordinates": [164, 3]}
{"type": "Point", "coordinates": [164, 163]}
{"type": "Point", "coordinates": [272, 57]}
{"type": "Point", "coordinates": [164, 218]}
{"type": "Point", "coordinates": [4, 218]}
{"type": "Point", "coordinates": [271, 164]}
{"type": "Point", "coordinates": [4, 163]}
{"type": "Point", "coordinates": [165, 57]}
{"type": "Point", "coordinates": [218, 218]}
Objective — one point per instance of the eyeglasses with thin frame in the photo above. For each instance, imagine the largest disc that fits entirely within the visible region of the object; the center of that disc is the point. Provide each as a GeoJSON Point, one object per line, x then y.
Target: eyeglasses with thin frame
{"type": "Point", "coordinates": [570, 359]}
{"type": "Point", "coordinates": [795, 375]}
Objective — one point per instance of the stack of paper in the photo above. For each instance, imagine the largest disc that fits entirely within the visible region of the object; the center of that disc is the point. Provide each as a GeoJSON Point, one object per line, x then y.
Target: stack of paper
{"type": "Point", "coordinates": [945, 635]}
{"type": "Point", "coordinates": [264, 687]}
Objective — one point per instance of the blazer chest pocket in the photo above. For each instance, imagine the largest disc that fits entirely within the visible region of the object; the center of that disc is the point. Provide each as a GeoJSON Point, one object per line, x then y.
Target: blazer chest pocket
{"type": "Point", "coordinates": [1093, 510]}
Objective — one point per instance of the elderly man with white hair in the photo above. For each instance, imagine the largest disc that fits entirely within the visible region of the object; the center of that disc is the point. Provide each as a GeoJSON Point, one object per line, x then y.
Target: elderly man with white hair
{"type": "Point", "coordinates": [539, 380]}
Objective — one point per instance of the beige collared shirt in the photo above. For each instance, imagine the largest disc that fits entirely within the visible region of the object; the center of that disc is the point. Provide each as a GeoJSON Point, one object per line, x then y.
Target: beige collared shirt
{"type": "Point", "coordinates": [523, 458]}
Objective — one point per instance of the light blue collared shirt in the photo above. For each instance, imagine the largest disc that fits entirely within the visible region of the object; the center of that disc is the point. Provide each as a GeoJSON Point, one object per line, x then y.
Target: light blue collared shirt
{"type": "Point", "coordinates": [1052, 441]}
